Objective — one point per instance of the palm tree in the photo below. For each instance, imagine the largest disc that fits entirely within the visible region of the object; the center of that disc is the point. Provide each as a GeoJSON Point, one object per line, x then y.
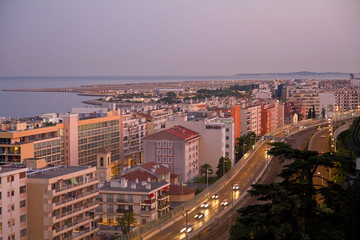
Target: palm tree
{"type": "Point", "coordinates": [205, 169]}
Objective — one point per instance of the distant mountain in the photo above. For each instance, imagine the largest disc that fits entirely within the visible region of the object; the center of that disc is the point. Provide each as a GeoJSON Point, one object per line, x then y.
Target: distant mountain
{"type": "Point", "coordinates": [291, 75]}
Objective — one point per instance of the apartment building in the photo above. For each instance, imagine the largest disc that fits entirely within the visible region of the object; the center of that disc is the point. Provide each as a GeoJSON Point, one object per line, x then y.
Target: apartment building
{"type": "Point", "coordinates": [251, 119]}
{"type": "Point", "coordinates": [61, 201]}
{"type": "Point", "coordinates": [13, 203]}
{"type": "Point", "coordinates": [177, 148]}
{"type": "Point", "coordinates": [20, 140]}
{"type": "Point", "coordinates": [272, 116]}
{"type": "Point", "coordinates": [147, 200]}
{"type": "Point", "coordinates": [293, 112]}
{"type": "Point", "coordinates": [217, 135]}
{"type": "Point", "coordinates": [347, 99]}
{"type": "Point", "coordinates": [133, 130]}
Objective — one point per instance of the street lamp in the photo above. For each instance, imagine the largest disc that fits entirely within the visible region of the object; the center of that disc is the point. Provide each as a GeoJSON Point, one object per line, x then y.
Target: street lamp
{"type": "Point", "coordinates": [244, 148]}
{"type": "Point", "coordinates": [207, 177]}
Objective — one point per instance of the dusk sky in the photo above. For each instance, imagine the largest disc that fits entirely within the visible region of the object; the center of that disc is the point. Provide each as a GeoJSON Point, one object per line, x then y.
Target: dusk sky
{"type": "Point", "coordinates": [177, 37]}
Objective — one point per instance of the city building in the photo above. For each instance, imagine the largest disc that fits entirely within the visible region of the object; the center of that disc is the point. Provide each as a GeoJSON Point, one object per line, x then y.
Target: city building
{"type": "Point", "coordinates": [13, 203]}
{"type": "Point", "coordinates": [61, 201]}
{"type": "Point", "coordinates": [251, 119]}
{"type": "Point", "coordinates": [147, 200]}
{"type": "Point", "coordinates": [177, 148]}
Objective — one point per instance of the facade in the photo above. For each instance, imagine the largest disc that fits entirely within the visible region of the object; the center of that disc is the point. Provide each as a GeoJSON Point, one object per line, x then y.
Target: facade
{"type": "Point", "coordinates": [251, 119]}
{"type": "Point", "coordinates": [147, 200]}
{"type": "Point", "coordinates": [292, 109]}
{"type": "Point", "coordinates": [346, 100]}
{"type": "Point", "coordinates": [13, 203]}
{"type": "Point", "coordinates": [133, 129]}
{"type": "Point", "coordinates": [217, 136]}
{"type": "Point", "coordinates": [62, 202]}
{"type": "Point", "coordinates": [270, 117]}
{"type": "Point", "coordinates": [20, 140]}
{"type": "Point", "coordinates": [177, 148]}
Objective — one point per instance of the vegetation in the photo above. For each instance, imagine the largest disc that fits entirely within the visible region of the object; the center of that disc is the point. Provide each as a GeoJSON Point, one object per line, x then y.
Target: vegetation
{"type": "Point", "coordinates": [125, 222]}
{"type": "Point", "coordinates": [297, 208]}
{"type": "Point", "coordinates": [244, 144]}
{"type": "Point", "coordinates": [223, 161]}
{"type": "Point", "coordinates": [205, 169]}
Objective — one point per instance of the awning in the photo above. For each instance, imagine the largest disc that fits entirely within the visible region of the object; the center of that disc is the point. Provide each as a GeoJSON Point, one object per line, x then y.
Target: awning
{"type": "Point", "coordinates": [166, 188]}
{"type": "Point", "coordinates": [73, 181]}
{"type": "Point", "coordinates": [151, 195]}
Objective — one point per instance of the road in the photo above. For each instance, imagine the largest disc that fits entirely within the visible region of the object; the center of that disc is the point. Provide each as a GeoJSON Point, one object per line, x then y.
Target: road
{"type": "Point", "coordinates": [245, 177]}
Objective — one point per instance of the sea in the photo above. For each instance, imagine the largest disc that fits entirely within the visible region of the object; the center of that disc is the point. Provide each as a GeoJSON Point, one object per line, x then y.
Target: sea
{"type": "Point", "coordinates": [29, 104]}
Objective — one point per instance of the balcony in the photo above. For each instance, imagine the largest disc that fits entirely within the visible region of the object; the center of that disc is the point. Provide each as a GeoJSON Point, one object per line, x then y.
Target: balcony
{"type": "Point", "coordinates": [163, 196]}
{"type": "Point", "coordinates": [64, 188]}
{"type": "Point", "coordinates": [163, 206]}
{"type": "Point", "coordinates": [78, 197]}
{"type": "Point", "coordinates": [148, 201]}
{"type": "Point", "coordinates": [124, 201]}
{"type": "Point", "coordinates": [147, 212]}
{"type": "Point", "coordinates": [72, 213]}
{"type": "Point", "coordinates": [124, 210]}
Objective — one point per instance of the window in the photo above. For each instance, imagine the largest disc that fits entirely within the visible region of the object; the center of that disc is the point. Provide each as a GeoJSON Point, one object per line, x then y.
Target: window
{"type": "Point", "coordinates": [227, 137]}
{"type": "Point", "coordinates": [130, 198]}
{"type": "Point", "coordinates": [170, 167]}
{"type": "Point", "coordinates": [12, 207]}
{"type": "Point", "coordinates": [23, 203]}
{"type": "Point", "coordinates": [164, 152]}
{"type": "Point", "coordinates": [227, 145]}
{"type": "Point", "coordinates": [158, 152]}
{"type": "Point", "coordinates": [22, 175]}
{"type": "Point", "coordinates": [170, 159]}
{"type": "Point", "coordinates": [170, 144]}
{"type": "Point", "coordinates": [23, 189]}
{"type": "Point", "coordinates": [164, 144]}
{"type": "Point", "coordinates": [110, 208]}
{"type": "Point", "coordinates": [170, 152]}
{"type": "Point", "coordinates": [23, 232]}
{"type": "Point", "coordinates": [158, 144]}
{"type": "Point", "coordinates": [23, 218]}
{"type": "Point", "coordinates": [110, 197]}
{"type": "Point", "coordinates": [158, 159]}
{"type": "Point", "coordinates": [164, 159]}
{"type": "Point", "coordinates": [227, 130]}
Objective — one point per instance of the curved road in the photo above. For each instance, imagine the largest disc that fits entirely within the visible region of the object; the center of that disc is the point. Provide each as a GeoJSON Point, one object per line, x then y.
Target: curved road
{"type": "Point", "coordinates": [245, 177]}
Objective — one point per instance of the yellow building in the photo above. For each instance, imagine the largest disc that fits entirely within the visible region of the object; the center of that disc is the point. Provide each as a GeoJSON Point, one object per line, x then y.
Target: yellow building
{"type": "Point", "coordinates": [62, 201]}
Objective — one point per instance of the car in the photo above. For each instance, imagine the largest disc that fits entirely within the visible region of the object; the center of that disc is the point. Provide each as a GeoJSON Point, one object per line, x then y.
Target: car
{"type": "Point", "coordinates": [225, 202]}
{"type": "Point", "coordinates": [215, 196]}
{"type": "Point", "coordinates": [199, 215]}
{"type": "Point", "coordinates": [205, 205]}
{"type": "Point", "coordinates": [187, 228]}
{"type": "Point", "coordinates": [236, 187]}
{"type": "Point", "coordinates": [322, 136]}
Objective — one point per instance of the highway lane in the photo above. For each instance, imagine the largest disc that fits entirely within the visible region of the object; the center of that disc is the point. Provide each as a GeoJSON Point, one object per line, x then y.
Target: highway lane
{"type": "Point", "coordinates": [246, 176]}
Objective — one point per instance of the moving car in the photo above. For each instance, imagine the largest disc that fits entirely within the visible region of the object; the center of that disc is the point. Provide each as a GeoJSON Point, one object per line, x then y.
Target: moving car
{"type": "Point", "coordinates": [225, 202]}
{"type": "Point", "coordinates": [236, 187]}
{"type": "Point", "coordinates": [199, 215]}
{"type": "Point", "coordinates": [215, 196]}
{"type": "Point", "coordinates": [187, 228]}
{"type": "Point", "coordinates": [205, 205]}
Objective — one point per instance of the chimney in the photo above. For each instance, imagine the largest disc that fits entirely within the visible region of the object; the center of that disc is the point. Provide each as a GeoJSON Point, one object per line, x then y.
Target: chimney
{"type": "Point", "coordinates": [133, 185]}
{"type": "Point", "coordinates": [136, 180]}
{"type": "Point", "coordinates": [123, 183]}
{"type": "Point", "coordinates": [148, 179]}
{"type": "Point", "coordinates": [148, 186]}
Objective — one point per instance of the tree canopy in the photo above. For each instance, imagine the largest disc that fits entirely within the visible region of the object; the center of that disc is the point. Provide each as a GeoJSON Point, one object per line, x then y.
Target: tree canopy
{"type": "Point", "coordinates": [223, 161]}
{"type": "Point", "coordinates": [296, 208]}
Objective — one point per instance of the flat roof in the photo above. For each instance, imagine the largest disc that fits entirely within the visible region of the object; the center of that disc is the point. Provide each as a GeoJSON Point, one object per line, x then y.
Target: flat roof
{"type": "Point", "coordinates": [139, 187]}
{"type": "Point", "coordinates": [52, 172]}
{"type": "Point", "coordinates": [5, 169]}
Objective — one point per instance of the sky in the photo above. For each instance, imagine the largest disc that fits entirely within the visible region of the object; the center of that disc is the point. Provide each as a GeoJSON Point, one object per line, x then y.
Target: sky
{"type": "Point", "coordinates": [177, 37]}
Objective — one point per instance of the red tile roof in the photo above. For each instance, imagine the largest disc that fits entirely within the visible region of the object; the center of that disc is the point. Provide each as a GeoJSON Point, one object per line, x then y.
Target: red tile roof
{"type": "Point", "coordinates": [178, 190]}
{"type": "Point", "coordinates": [177, 133]}
{"type": "Point", "coordinates": [144, 115]}
{"type": "Point", "coordinates": [140, 174]}
{"type": "Point", "coordinates": [159, 169]}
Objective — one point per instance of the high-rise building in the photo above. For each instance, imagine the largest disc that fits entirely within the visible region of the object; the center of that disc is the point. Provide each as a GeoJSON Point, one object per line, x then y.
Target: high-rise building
{"type": "Point", "coordinates": [61, 201]}
{"type": "Point", "coordinates": [13, 203]}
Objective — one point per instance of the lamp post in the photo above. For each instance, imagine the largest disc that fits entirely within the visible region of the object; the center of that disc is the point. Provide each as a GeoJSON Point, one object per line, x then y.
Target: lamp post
{"type": "Point", "coordinates": [244, 148]}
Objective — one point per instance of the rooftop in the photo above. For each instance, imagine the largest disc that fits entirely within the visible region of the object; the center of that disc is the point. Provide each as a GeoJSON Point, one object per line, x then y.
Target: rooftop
{"type": "Point", "coordinates": [159, 169]}
{"type": "Point", "coordinates": [52, 172]}
{"type": "Point", "coordinates": [177, 133]}
{"type": "Point", "coordinates": [8, 169]}
{"type": "Point", "coordinates": [140, 187]}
